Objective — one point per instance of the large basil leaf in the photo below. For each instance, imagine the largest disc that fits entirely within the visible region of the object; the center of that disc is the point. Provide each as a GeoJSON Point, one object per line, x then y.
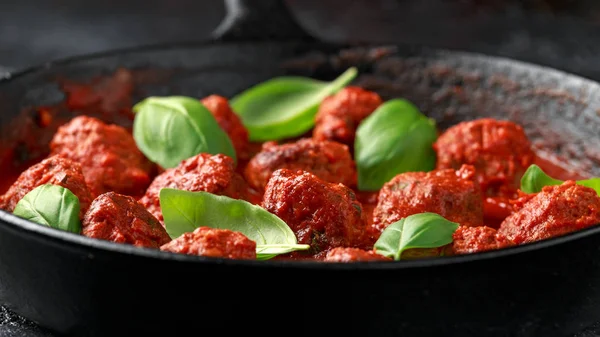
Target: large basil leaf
{"type": "Point", "coordinates": [51, 205]}
{"type": "Point", "coordinates": [395, 138]}
{"type": "Point", "coordinates": [284, 107]}
{"type": "Point", "coordinates": [170, 129]}
{"type": "Point", "coordinates": [534, 179]}
{"type": "Point", "coordinates": [184, 211]}
{"type": "Point", "coordinates": [423, 230]}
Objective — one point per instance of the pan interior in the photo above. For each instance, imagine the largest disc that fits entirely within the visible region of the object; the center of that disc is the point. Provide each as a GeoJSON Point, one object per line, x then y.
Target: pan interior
{"type": "Point", "coordinates": [559, 112]}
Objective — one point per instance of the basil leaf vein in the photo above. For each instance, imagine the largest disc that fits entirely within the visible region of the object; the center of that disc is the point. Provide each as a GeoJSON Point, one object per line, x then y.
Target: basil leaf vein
{"type": "Point", "coordinates": [534, 179]}
{"type": "Point", "coordinates": [171, 129]}
{"type": "Point", "coordinates": [395, 138]}
{"type": "Point", "coordinates": [423, 230]}
{"type": "Point", "coordinates": [51, 205]}
{"type": "Point", "coordinates": [285, 106]}
{"type": "Point", "coordinates": [184, 211]}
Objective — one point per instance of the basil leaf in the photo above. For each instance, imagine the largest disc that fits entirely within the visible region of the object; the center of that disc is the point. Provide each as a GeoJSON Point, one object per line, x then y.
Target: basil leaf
{"type": "Point", "coordinates": [170, 129]}
{"type": "Point", "coordinates": [534, 179]}
{"type": "Point", "coordinates": [395, 138]}
{"type": "Point", "coordinates": [51, 205]}
{"type": "Point", "coordinates": [284, 107]}
{"type": "Point", "coordinates": [184, 211]}
{"type": "Point", "coordinates": [423, 230]}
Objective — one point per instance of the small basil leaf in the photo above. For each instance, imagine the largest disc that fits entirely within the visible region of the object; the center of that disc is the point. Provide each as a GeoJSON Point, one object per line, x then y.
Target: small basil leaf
{"type": "Point", "coordinates": [170, 129]}
{"type": "Point", "coordinates": [184, 211]}
{"type": "Point", "coordinates": [593, 183]}
{"type": "Point", "coordinates": [534, 179]}
{"type": "Point", "coordinates": [423, 230]}
{"type": "Point", "coordinates": [284, 107]}
{"type": "Point", "coordinates": [395, 138]}
{"type": "Point", "coordinates": [51, 205]}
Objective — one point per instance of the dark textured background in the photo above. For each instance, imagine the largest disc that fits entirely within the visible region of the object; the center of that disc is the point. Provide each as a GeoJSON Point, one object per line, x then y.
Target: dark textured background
{"type": "Point", "coordinates": [564, 34]}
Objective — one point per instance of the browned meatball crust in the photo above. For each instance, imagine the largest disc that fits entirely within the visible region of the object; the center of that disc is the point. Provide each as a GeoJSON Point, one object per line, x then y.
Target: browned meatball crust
{"type": "Point", "coordinates": [330, 161]}
{"type": "Point", "coordinates": [203, 172]}
{"type": "Point", "coordinates": [214, 242]}
{"type": "Point", "coordinates": [54, 170]}
{"type": "Point", "coordinates": [451, 194]}
{"type": "Point", "coordinates": [555, 211]}
{"type": "Point", "coordinates": [499, 150]}
{"type": "Point", "coordinates": [339, 114]}
{"type": "Point", "coordinates": [108, 155]}
{"type": "Point", "coordinates": [120, 218]}
{"type": "Point", "coordinates": [321, 214]}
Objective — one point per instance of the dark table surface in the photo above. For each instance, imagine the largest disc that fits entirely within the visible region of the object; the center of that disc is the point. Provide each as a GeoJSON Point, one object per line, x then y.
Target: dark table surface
{"type": "Point", "coordinates": [561, 34]}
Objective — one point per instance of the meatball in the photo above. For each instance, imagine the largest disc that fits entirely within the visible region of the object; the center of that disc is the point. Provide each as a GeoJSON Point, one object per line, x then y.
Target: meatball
{"type": "Point", "coordinates": [339, 115]}
{"type": "Point", "coordinates": [451, 194]}
{"type": "Point", "coordinates": [499, 151]}
{"type": "Point", "coordinates": [206, 241]}
{"type": "Point", "coordinates": [108, 155]}
{"type": "Point", "coordinates": [477, 239]}
{"type": "Point", "coordinates": [54, 170]}
{"type": "Point", "coordinates": [345, 254]}
{"type": "Point", "coordinates": [203, 172]}
{"type": "Point", "coordinates": [120, 218]}
{"type": "Point", "coordinates": [555, 211]}
{"type": "Point", "coordinates": [229, 122]}
{"type": "Point", "coordinates": [330, 161]}
{"type": "Point", "coordinates": [321, 214]}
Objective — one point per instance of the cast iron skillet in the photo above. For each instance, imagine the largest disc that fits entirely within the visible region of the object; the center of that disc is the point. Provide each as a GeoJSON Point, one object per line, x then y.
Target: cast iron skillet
{"type": "Point", "coordinates": [83, 287]}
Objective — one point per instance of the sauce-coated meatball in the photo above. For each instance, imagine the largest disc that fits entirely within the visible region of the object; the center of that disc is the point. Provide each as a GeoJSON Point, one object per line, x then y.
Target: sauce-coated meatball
{"type": "Point", "coordinates": [321, 214]}
{"type": "Point", "coordinates": [330, 161]}
{"type": "Point", "coordinates": [52, 170]}
{"type": "Point", "coordinates": [204, 172]}
{"type": "Point", "coordinates": [108, 155]}
{"type": "Point", "coordinates": [229, 122]}
{"type": "Point", "coordinates": [499, 150]}
{"type": "Point", "coordinates": [346, 254]}
{"type": "Point", "coordinates": [451, 194]}
{"type": "Point", "coordinates": [339, 114]}
{"type": "Point", "coordinates": [477, 239]}
{"type": "Point", "coordinates": [120, 218]}
{"type": "Point", "coordinates": [555, 211]}
{"type": "Point", "coordinates": [214, 242]}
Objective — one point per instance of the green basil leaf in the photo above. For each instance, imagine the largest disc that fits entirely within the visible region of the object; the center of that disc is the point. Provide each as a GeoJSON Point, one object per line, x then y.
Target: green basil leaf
{"type": "Point", "coordinates": [284, 107]}
{"type": "Point", "coordinates": [423, 230]}
{"type": "Point", "coordinates": [395, 138]}
{"type": "Point", "coordinates": [534, 179]}
{"type": "Point", "coordinates": [184, 211]}
{"type": "Point", "coordinates": [51, 205]}
{"type": "Point", "coordinates": [593, 183]}
{"type": "Point", "coordinates": [170, 129]}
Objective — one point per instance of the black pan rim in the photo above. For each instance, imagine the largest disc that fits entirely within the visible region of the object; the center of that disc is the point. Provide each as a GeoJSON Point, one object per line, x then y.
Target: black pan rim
{"type": "Point", "coordinates": [77, 241]}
